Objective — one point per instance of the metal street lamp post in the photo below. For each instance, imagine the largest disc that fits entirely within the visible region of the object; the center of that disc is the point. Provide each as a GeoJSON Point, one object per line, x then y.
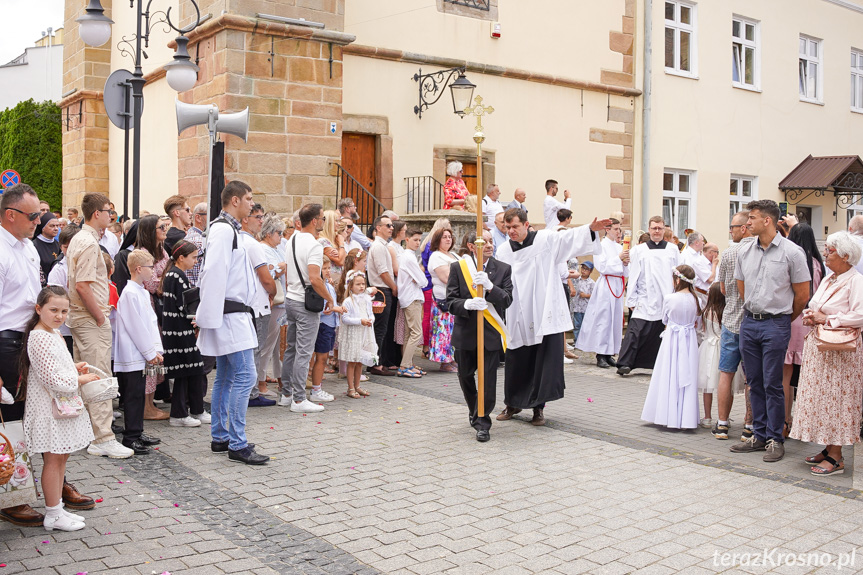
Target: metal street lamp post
{"type": "Point", "coordinates": [124, 88]}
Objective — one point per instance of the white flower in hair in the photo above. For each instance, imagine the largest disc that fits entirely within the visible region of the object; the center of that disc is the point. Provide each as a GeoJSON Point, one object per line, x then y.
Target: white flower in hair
{"type": "Point", "coordinates": [680, 276]}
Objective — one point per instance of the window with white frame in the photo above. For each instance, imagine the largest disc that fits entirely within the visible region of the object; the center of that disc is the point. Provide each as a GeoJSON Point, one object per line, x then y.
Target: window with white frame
{"type": "Point", "coordinates": [809, 69]}
{"type": "Point", "coordinates": [678, 200]}
{"type": "Point", "coordinates": [743, 190]}
{"type": "Point", "coordinates": [857, 80]}
{"type": "Point", "coordinates": [680, 38]}
{"type": "Point", "coordinates": [744, 52]}
{"type": "Point", "coordinates": [851, 211]}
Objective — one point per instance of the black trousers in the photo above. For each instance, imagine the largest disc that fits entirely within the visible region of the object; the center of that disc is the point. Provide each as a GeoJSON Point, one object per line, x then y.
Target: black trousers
{"type": "Point", "coordinates": [382, 322]}
{"type": "Point", "coordinates": [10, 353]}
{"type": "Point", "coordinates": [392, 352]}
{"type": "Point", "coordinates": [69, 345]}
{"type": "Point", "coordinates": [132, 384]}
{"type": "Point", "coordinates": [467, 361]}
{"type": "Point", "coordinates": [191, 390]}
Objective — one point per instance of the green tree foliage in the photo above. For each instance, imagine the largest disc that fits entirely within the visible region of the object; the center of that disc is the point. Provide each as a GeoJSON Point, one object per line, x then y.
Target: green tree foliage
{"type": "Point", "coordinates": [31, 143]}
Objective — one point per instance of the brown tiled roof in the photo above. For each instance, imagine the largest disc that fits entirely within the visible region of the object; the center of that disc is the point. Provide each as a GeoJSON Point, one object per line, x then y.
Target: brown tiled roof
{"type": "Point", "coordinates": [819, 173]}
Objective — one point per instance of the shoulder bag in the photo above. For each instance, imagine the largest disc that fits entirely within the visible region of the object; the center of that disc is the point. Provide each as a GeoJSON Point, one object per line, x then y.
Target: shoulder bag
{"type": "Point", "coordinates": [835, 338]}
{"type": "Point", "coordinates": [313, 302]}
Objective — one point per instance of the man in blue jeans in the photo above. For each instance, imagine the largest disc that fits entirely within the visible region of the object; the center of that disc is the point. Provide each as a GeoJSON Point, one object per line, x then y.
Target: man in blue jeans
{"type": "Point", "coordinates": [224, 316]}
{"type": "Point", "coordinates": [773, 281]}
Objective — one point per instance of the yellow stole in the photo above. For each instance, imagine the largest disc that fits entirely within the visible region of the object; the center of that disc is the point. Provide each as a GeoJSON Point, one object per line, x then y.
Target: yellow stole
{"type": "Point", "coordinates": [468, 279]}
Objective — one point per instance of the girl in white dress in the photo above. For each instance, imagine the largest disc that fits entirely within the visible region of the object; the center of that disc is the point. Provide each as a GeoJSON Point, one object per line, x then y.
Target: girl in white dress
{"type": "Point", "coordinates": [47, 371]}
{"type": "Point", "coordinates": [708, 351]}
{"type": "Point", "coordinates": [356, 330]}
{"type": "Point", "coordinates": [672, 398]}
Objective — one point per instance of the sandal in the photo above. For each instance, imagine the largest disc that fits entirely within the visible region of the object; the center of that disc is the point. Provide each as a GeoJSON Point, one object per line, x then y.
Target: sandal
{"type": "Point", "coordinates": [329, 369]}
{"type": "Point", "coordinates": [787, 430]}
{"type": "Point", "coordinates": [814, 459]}
{"type": "Point", "coordinates": [407, 372]}
{"type": "Point", "coordinates": [363, 392]}
{"type": "Point", "coordinates": [836, 470]}
{"type": "Point", "coordinates": [419, 370]}
{"type": "Point", "coordinates": [449, 368]}
{"type": "Point", "coordinates": [352, 393]}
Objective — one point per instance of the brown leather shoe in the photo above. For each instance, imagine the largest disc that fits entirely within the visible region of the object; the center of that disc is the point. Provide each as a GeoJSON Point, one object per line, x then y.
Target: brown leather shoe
{"type": "Point", "coordinates": [507, 413]}
{"type": "Point", "coordinates": [72, 499]}
{"type": "Point", "coordinates": [538, 417]}
{"type": "Point", "coordinates": [22, 515]}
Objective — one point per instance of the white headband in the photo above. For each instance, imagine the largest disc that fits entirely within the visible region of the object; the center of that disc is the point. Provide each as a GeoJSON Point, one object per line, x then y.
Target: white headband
{"type": "Point", "coordinates": [351, 275]}
{"type": "Point", "coordinates": [680, 276]}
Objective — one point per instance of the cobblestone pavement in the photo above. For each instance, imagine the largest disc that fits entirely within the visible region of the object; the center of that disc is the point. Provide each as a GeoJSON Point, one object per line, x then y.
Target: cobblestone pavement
{"type": "Point", "coordinates": [396, 483]}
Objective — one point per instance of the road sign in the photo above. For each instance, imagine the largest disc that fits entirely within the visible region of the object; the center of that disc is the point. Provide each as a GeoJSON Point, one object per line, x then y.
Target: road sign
{"type": "Point", "coordinates": [9, 178]}
{"type": "Point", "coordinates": [332, 127]}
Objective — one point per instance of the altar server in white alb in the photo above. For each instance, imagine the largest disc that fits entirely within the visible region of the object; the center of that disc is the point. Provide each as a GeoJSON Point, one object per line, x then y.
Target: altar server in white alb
{"type": "Point", "coordinates": [539, 315]}
{"type": "Point", "coordinates": [650, 280]}
{"type": "Point", "coordinates": [602, 326]}
{"type": "Point", "coordinates": [225, 319]}
{"type": "Point", "coordinates": [672, 398]}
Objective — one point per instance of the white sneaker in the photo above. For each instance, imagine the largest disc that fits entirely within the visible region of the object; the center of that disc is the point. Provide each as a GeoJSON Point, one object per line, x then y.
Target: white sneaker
{"type": "Point", "coordinates": [321, 396]}
{"type": "Point", "coordinates": [364, 377]}
{"type": "Point", "coordinates": [112, 449]}
{"type": "Point", "coordinates": [570, 347]}
{"type": "Point", "coordinates": [284, 401]}
{"type": "Point", "coordinates": [706, 423]}
{"type": "Point", "coordinates": [306, 407]}
{"type": "Point", "coordinates": [566, 360]}
{"type": "Point", "coordinates": [61, 522]}
{"type": "Point", "coordinates": [187, 421]}
{"type": "Point", "coordinates": [204, 417]}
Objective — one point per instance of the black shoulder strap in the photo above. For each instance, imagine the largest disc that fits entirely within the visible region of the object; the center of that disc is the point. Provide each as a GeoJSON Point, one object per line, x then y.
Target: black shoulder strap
{"type": "Point", "coordinates": [294, 253]}
{"type": "Point", "coordinates": [233, 229]}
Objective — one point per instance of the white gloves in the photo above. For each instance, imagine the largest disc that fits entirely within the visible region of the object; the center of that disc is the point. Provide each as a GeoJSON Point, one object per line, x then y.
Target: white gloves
{"type": "Point", "coordinates": [481, 278]}
{"type": "Point", "coordinates": [476, 304]}
{"type": "Point", "coordinates": [6, 397]}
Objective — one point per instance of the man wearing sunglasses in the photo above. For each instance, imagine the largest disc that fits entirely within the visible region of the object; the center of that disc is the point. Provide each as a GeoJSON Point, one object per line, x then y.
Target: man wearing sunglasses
{"type": "Point", "coordinates": [19, 287]}
{"type": "Point", "coordinates": [352, 244]}
{"type": "Point", "coordinates": [178, 210]}
{"type": "Point", "coordinates": [348, 209]}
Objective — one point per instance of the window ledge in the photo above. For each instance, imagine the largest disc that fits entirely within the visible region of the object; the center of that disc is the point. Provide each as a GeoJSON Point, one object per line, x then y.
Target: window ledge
{"type": "Point", "coordinates": [811, 101]}
{"type": "Point", "coordinates": [857, 110]}
{"type": "Point", "coordinates": [745, 87]}
{"type": "Point", "coordinates": [673, 72]}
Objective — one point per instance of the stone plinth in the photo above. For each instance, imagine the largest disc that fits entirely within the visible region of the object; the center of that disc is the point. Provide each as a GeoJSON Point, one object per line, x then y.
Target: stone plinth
{"type": "Point", "coordinates": [461, 222]}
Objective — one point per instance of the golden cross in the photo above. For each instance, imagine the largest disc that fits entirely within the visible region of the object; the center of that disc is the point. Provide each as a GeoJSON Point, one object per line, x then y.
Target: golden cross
{"type": "Point", "coordinates": [478, 110]}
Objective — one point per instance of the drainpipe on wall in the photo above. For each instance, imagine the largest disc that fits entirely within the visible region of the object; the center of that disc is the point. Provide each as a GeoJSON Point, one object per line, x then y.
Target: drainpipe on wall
{"type": "Point", "coordinates": [645, 118]}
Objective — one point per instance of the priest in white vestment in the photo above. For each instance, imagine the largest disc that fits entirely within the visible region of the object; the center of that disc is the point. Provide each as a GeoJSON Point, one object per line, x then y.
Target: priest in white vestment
{"type": "Point", "coordinates": [538, 316]}
{"type": "Point", "coordinates": [602, 327]}
{"type": "Point", "coordinates": [650, 280]}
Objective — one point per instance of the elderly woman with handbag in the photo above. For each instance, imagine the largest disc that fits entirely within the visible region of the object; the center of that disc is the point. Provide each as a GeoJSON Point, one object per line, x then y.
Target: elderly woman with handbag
{"type": "Point", "coordinates": [830, 392]}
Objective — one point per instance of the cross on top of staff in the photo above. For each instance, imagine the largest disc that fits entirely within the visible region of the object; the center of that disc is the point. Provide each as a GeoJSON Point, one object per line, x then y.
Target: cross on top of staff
{"type": "Point", "coordinates": [478, 110]}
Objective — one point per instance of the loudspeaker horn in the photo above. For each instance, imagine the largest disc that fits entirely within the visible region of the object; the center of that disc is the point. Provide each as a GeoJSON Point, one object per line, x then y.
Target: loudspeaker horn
{"type": "Point", "coordinates": [189, 115]}
{"type": "Point", "coordinates": [236, 124]}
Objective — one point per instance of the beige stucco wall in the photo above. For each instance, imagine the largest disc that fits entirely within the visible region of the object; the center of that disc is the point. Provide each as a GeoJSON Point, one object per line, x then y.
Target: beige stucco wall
{"type": "Point", "coordinates": [557, 37]}
{"type": "Point", "coordinates": [159, 125]}
{"type": "Point", "coordinates": [537, 132]}
{"type": "Point", "coordinates": [709, 126]}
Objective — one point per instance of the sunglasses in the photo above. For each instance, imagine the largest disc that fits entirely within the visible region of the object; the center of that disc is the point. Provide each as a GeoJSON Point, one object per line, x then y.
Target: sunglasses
{"type": "Point", "coordinates": [350, 227]}
{"type": "Point", "coordinates": [163, 227]}
{"type": "Point", "coordinates": [32, 216]}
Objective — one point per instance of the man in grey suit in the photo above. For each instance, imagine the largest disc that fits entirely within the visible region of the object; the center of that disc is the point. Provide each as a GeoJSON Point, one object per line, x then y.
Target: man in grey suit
{"type": "Point", "coordinates": [520, 196]}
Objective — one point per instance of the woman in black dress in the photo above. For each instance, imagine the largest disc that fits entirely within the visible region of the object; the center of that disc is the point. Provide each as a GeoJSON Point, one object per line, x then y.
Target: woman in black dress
{"type": "Point", "coordinates": [182, 357]}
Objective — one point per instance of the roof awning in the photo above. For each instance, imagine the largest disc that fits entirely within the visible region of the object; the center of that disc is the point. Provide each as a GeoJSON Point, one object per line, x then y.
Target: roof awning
{"type": "Point", "coordinates": [842, 175]}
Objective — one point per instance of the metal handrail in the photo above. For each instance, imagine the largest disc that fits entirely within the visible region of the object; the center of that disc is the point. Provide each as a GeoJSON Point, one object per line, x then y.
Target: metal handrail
{"type": "Point", "coordinates": [368, 206]}
{"type": "Point", "coordinates": [423, 193]}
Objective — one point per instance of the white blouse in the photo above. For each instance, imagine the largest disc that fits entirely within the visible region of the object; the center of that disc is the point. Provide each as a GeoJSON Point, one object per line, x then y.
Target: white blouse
{"type": "Point", "coordinates": [354, 306]}
{"type": "Point", "coordinates": [436, 260]}
{"type": "Point", "coordinates": [138, 338]}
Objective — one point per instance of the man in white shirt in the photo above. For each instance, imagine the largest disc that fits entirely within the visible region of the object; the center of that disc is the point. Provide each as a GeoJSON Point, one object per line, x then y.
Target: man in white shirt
{"type": "Point", "coordinates": [705, 272]}
{"type": "Point", "coordinates": [550, 206]}
{"type": "Point", "coordinates": [19, 287]}
{"type": "Point", "coordinates": [227, 331]}
{"type": "Point", "coordinates": [265, 289]}
{"type": "Point", "coordinates": [410, 282]}
{"type": "Point", "coordinates": [491, 205]}
{"type": "Point", "coordinates": [351, 244]}
{"type": "Point", "coordinates": [382, 276]}
{"type": "Point", "coordinates": [347, 209]}
{"type": "Point", "coordinates": [110, 242]}
{"type": "Point", "coordinates": [305, 259]}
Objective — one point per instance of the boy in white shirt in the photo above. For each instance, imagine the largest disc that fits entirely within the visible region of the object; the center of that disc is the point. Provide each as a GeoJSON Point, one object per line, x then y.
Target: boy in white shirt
{"type": "Point", "coordinates": [137, 343]}
{"type": "Point", "coordinates": [410, 282]}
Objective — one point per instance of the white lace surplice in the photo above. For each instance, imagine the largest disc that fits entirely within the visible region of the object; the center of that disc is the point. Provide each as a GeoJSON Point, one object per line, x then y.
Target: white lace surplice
{"type": "Point", "coordinates": [52, 371]}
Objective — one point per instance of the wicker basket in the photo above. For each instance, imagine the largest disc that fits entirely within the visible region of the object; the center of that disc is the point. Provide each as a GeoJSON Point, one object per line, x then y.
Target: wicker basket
{"type": "Point", "coordinates": [7, 468]}
{"type": "Point", "coordinates": [379, 305]}
{"type": "Point", "coordinates": [101, 389]}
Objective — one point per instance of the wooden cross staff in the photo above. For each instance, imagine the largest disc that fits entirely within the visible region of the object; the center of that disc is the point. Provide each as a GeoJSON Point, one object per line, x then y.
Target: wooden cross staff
{"type": "Point", "coordinates": [478, 110]}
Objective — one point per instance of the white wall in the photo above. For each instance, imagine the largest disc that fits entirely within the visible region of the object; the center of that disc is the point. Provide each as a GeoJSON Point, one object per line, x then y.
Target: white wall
{"type": "Point", "coordinates": [41, 78]}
